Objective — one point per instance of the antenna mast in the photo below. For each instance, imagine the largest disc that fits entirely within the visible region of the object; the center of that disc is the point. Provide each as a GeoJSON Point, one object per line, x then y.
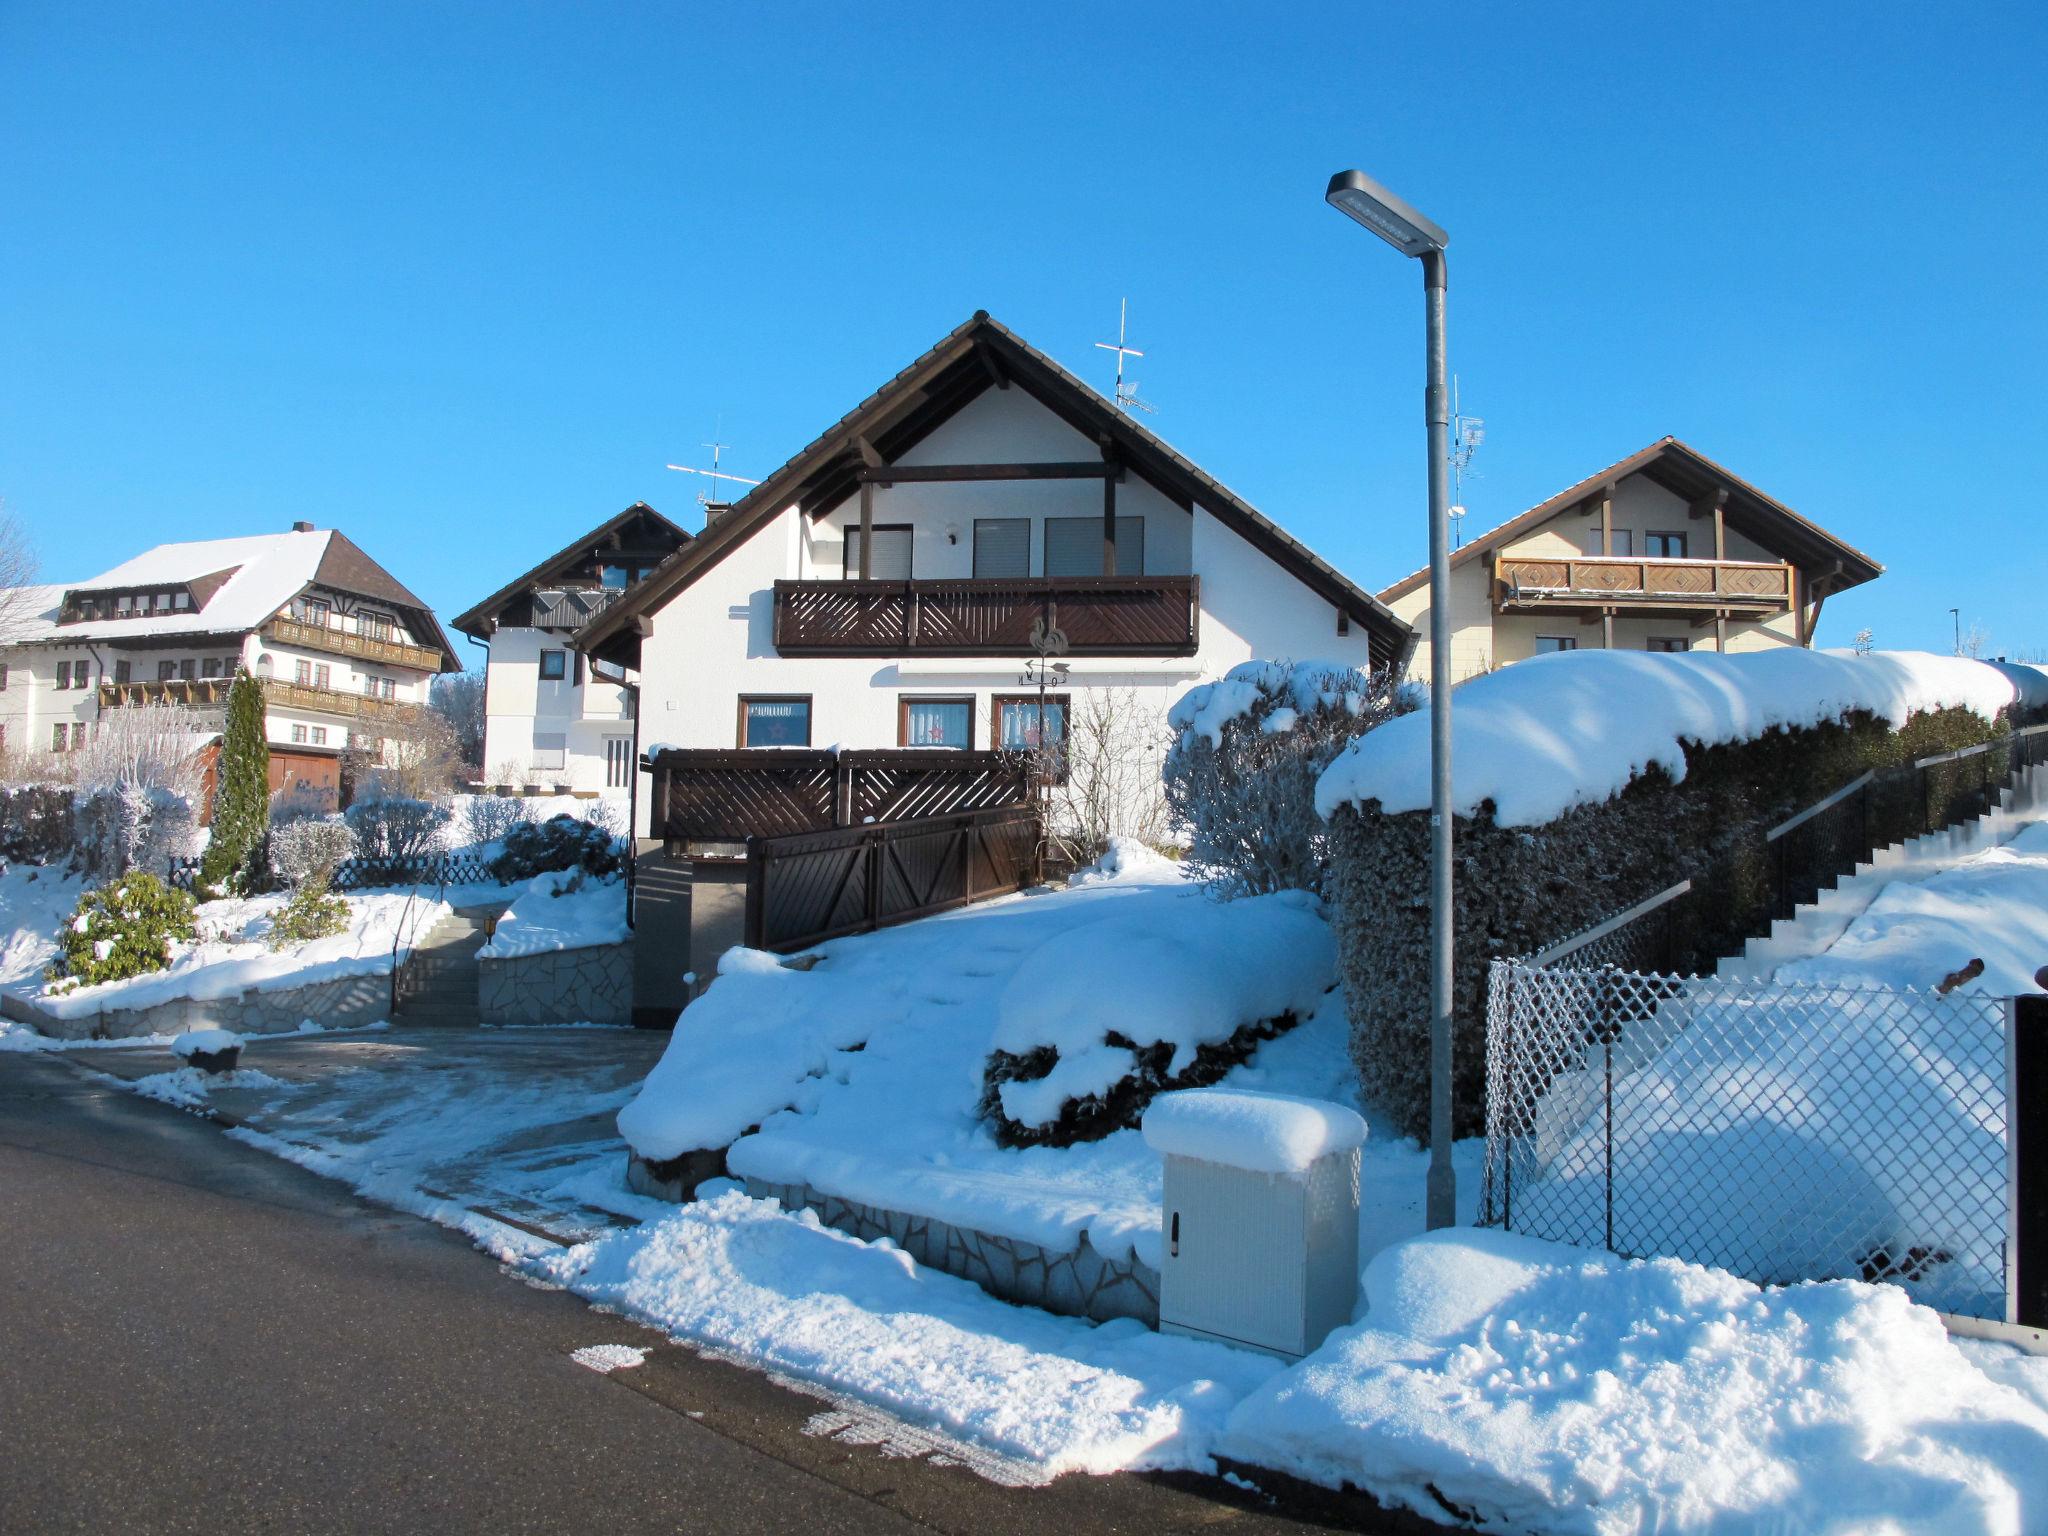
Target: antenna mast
{"type": "Point", "coordinates": [1467, 433]}
{"type": "Point", "coordinates": [1126, 394]}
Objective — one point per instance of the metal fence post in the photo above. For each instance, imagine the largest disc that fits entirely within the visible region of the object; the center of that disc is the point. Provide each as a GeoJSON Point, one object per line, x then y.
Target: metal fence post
{"type": "Point", "coordinates": [2026, 1152]}
{"type": "Point", "coordinates": [756, 917]}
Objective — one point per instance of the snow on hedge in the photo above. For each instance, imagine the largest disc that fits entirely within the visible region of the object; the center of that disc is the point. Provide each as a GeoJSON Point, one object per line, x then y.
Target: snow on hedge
{"type": "Point", "coordinates": [1305, 686]}
{"type": "Point", "coordinates": [1193, 980]}
{"type": "Point", "coordinates": [1544, 736]}
{"type": "Point", "coordinates": [1243, 1128]}
{"type": "Point", "coordinates": [1538, 1387]}
{"type": "Point", "coordinates": [560, 910]}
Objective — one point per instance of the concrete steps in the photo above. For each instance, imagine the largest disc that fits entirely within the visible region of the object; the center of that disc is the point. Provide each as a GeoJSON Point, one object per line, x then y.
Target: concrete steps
{"type": "Point", "coordinates": [440, 983]}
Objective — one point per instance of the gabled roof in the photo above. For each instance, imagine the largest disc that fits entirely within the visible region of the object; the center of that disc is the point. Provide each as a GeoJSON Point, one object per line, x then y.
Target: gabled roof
{"type": "Point", "coordinates": [237, 584]}
{"type": "Point", "coordinates": [977, 355]}
{"type": "Point", "coordinates": [1690, 474]}
{"type": "Point", "coordinates": [477, 621]}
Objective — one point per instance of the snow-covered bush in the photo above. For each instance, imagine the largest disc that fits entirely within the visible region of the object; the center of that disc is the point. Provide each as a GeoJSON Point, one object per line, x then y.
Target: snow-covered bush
{"type": "Point", "coordinates": [36, 823]}
{"type": "Point", "coordinates": [313, 912]}
{"type": "Point", "coordinates": [1102, 776]}
{"type": "Point", "coordinates": [560, 842]}
{"type": "Point", "coordinates": [300, 801]}
{"type": "Point", "coordinates": [392, 827]}
{"type": "Point", "coordinates": [128, 927]}
{"type": "Point", "coordinates": [1103, 1018]}
{"type": "Point", "coordinates": [153, 745]}
{"type": "Point", "coordinates": [1241, 774]}
{"type": "Point", "coordinates": [486, 818]}
{"type": "Point", "coordinates": [128, 826]}
{"type": "Point", "coordinates": [306, 847]}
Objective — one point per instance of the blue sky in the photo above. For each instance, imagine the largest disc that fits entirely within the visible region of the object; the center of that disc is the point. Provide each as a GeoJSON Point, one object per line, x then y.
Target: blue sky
{"type": "Point", "coordinates": [460, 279]}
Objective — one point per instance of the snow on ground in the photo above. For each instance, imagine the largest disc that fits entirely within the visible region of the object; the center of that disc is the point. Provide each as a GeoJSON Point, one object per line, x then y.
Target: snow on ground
{"type": "Point", "coordinates": [231, 957]}
{"type": "Point", "coordinates": [562, 910]}
{"type": "Point", "coordinates": [863, 1074]}
{"type": "Point", "coordinates": [34, 901]}
{"type": "Point", "coordinates": [1531, 1386]}
{"type": "Point", "coordinates": [1992, 907]}
{"type": "Point", "coordinates": [1556, 732]}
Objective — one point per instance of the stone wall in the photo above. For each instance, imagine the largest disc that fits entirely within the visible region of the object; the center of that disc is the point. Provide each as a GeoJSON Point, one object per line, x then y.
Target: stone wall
{"type": "Point", "coordinates": [593, 985]}
{"type": "Point", "coordinates": [1083, 1283]}
{"type": "Point", "coordinates": [347, 1002]}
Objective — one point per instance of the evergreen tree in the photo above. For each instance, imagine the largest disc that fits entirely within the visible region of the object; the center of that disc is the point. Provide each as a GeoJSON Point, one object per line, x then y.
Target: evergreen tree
{"type": "Point", "coordinates": [241, 800]}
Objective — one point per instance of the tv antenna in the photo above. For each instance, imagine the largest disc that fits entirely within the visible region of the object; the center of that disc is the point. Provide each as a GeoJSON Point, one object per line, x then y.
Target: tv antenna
{"type": "Point", "coordinates": [1126, 394]}
{"type": "Point", "coordinates": [705, 497]}
{"type": "Point", "coordinates": [1467, 433]}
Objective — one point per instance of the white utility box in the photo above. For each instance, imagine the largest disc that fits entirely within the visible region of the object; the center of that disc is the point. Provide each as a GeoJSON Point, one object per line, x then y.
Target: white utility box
{"type": "Point", "coordinates": [1259, 1228]}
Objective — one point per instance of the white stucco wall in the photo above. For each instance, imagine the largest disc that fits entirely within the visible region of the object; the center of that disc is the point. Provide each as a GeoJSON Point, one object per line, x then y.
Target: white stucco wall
{"type": "Point", "coordinates": [520, 706]}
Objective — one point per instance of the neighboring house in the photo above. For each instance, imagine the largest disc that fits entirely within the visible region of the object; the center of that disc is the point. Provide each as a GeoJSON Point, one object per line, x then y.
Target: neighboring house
{"type": "Point", "coordinates": [882, 588]}
{"type": "Point", "coordinates": [1664, 551]}
{"type": "Point", "coordinates": [548, 717]}
{"type": "Point", "coordinates": [343, 650]}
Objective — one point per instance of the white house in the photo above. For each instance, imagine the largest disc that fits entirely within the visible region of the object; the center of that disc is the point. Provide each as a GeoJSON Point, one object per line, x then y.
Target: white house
{"type": "Point", "coordinates": [1664, 551]}
{"type": "Point", "coordinates": [549, 717]}
{"type": "Point", "coordinates": [882, 587]}
{"type": "Point", "coordinates": [341, 647]}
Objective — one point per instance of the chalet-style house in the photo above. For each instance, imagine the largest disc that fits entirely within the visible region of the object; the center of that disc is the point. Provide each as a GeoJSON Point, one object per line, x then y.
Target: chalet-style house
{"type": "Point", "coordinates": [883, 587]}
{"type": "Point", "coordinates": [1663, 551]}
{"type": "Point", "coordinates": [340, 646]}
{"type": "Point", "coordinates": [549, 717]}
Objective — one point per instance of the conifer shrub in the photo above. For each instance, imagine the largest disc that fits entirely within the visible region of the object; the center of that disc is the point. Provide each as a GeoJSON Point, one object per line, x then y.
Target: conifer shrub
{"type": "Point", "coordinates": [241, 800]}
{"type": "Point", "coordinates": [560, 842]}
{"type": "Point", "coordinates": [129, 927]}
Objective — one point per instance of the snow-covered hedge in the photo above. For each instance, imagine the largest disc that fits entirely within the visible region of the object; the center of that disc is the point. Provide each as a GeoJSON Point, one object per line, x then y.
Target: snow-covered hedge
{"type": "Point", "coordinates": [309, 845]}
{"type": "Point", "coordinates": [1241, 774]}
{"type": "Point", "coordinates": [1582, 789]}
{"type": "Point", "coordinates": [129, 826]}
{"type": "Point", "coordinates": [394, 827]}
{"type": "Point", "coordinates": [1106, 1016]}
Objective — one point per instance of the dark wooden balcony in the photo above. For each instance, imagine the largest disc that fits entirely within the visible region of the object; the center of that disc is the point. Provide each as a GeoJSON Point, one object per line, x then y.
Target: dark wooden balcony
{"type": "Point", "coordinates": [342, 642]}
{"type": "Point", "coordinates": [1747, 587]}
{"type": "Point", "coordinates": [1100, 616]}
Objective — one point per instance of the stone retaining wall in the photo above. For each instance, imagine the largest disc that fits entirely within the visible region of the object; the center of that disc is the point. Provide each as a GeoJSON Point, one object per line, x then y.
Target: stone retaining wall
{"type": "Point", "coordinates": [346, 1002]}
{"type": "Point", "coordinates": [1083, 1283]}
{"type": "Point", "coordinates": [593, 985]}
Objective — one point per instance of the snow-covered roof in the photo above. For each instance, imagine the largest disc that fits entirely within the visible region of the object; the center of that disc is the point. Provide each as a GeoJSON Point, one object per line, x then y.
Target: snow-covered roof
{"type": "Point", "coordinates": [29, 613]}
{"type": "Point", "coordinates": [265, 571]}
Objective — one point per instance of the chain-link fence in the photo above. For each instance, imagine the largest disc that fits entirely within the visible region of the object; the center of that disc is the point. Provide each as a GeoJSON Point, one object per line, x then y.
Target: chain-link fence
{"type": "Point", "coordinates": [1781, 1132]}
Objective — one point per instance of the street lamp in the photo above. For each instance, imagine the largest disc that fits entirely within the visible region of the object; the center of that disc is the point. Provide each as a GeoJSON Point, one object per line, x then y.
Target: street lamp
{"type": "Point", "coordinates": [1957, 615]}
{"type": "Point", "coordinates": [1359, 197]}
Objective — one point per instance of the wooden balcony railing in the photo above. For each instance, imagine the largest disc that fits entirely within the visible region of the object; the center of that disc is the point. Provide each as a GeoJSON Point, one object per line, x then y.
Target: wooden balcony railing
{"type": "Point", "coordinates": [342, 642]}
{"type": "Point", "coordinates": [1100, 616]}
{"type": "Point", "coordinates": [333, 701]}
{"type": "Point", "coordinates": [1525, 581]}
{"type": "Point", "coordinates": [203, 692]}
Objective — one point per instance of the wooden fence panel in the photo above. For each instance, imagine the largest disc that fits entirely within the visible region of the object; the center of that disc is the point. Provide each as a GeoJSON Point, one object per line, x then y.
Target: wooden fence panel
{"type": "Point", "coordinates": [713, 796]}
{"type": "Point", "coordinates": [807, 888]}
{"type": "Point", "coordinates": [900, 785]}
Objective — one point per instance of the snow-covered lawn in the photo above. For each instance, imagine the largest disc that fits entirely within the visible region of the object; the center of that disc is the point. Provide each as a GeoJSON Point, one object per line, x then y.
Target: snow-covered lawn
{"type": "Point", "coordinates": [564, 910]}
{"type": "Point", "coordinates": [864, 1074]}
{"type": "Point", "coordinates": [1992, 907]}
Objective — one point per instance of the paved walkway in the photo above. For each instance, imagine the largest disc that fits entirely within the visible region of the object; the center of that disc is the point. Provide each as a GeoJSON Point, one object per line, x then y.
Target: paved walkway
{"type": "Point", "coordinates": [200, 1337]}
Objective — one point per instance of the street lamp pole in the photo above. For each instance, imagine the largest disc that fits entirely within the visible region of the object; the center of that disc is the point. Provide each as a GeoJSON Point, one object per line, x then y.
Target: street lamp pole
{"type": "Point", "coordinates": [1957, 615]}
{"type": "Point", "coordinates": [1364, 200]}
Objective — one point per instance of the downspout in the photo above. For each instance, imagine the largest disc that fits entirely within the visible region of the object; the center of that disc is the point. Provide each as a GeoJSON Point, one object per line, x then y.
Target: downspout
{"type": "Point", "coordinates": [483, 708]}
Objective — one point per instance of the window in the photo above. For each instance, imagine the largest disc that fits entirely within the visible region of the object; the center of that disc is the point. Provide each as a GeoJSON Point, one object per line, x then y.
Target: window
{"type": "Point", "coordinates": [783, 722]}
{"type": "Point", "coordinates": [891, 558]}
{"type": "Point", "coordinates": [1621, 542]}
{"type": "Point", "coordinates": [302, 673]}
{"type": "Point", "coordinates": [550, 750]}
{"type": "Point", "coordinates": [122, 672]}
{"type": "Point", "coordinates": [1669, 642]}
{"type": "Point", "coordinates": [1002, 546]}
{"type": "Point", "coordinates": [122, 605]}
{"type": "Point", "coordinates": [935, 723]}
{"type": "Point", "coordinates": [63, 675]}
{"type": "Point", "coordinates": [210, 667]}
{"type": "Point", "coordinates": [81, 674]}
{"type": "Point", "coordinates": [1073, 546]}
{"type": "Point", "coordinates": [77, 734]}
{"type": "Point", "coordinates": [618, 762]}
{"type": "Point", "coordinates": [614, 578]}
{"type": "Point", "coordinates": [1545, 644]}
{"type": "Point", "coordinates": [376, 625]}
{"type": "Point", "coordinates": [319, 735]}
{"type": "Point", "coordinates": [3, 677]}
{"type": "Point", "coordinates": [57, 738]}
{"type": "Point", "coordinates": [314, 611]}
{"type": "Point", "coordinates": [166, 670]}
{"type": "Point", "coordinates": [323, 675]}
{"type": "Point", "coordinates": [1664, 546]}
{"type": "Point", "coordinates": [386, 688]}
{"type": "Point", "coordinates": [554, 666]}
{"type": "Point", "coordinates": [1015, 722]}
{"type": "Point", "coordinates": [188, 669]}
{"type": "Point", "coordinates": [180, 601]}
{"type": "Point", "coordinates": [298, 733]}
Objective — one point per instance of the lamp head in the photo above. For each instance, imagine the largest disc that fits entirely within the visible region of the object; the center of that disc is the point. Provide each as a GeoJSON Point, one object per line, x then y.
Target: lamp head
{"type": "Point", "coordinates": [1357, 196]}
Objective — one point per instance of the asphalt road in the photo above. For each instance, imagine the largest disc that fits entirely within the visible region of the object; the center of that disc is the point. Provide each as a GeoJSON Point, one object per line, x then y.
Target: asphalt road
{"type": "Point", "coordinates": [195, 1336]}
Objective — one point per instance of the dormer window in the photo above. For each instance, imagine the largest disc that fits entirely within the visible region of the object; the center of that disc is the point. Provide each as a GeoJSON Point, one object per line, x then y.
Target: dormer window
{"type": "Point", "coordinates": [181, 601]}
{"type": "Point", "coordinates": [124, 604]}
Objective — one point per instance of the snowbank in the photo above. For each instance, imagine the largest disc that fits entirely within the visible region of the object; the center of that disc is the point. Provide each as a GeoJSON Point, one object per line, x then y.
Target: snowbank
{"type": "Point", "coordinates": [1242, 1128]}
{"type": "Point", "coordinates": [1532, 1386]}
{"type": "Point", "coordinates": [208, 1042]}
{"type": "Point", "coordinates": [231, 957]}
{"type": "Point", "coordinates": [1991, 907]}
{"type": "Point", "coordinates": [1194, 979]}
{"type": "Point", "coordinates": [546, 914]}
{"type": "Point", "coordinates": [1547, 735]}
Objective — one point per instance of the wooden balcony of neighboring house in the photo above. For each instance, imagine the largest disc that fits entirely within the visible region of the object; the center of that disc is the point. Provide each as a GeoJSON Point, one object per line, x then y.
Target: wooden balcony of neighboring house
{"type": "Point", "coordinates": [1099, 615]}
{"type": "Point", "coordinates": [333, 701]}
{"type": "Point", "coordinates": [1619, 584]}
{"type": "Point", "coordinates": [201, 692]}
{"type": "Point", "coordinates": [342, 642]}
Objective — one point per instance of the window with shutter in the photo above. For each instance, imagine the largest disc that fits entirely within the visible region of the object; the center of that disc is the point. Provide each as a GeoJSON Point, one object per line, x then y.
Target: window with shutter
{"type": "Point", "coordinates": [1073, 546]}
{"type": "Point", "coordinates": [1002, 546]}
{"type": "Point", "coordinates": [891, 558]}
